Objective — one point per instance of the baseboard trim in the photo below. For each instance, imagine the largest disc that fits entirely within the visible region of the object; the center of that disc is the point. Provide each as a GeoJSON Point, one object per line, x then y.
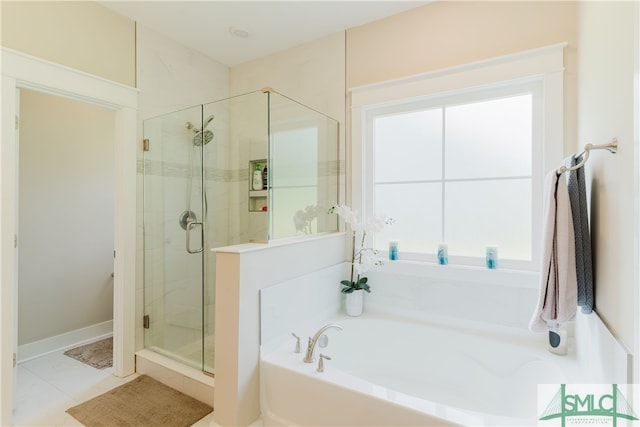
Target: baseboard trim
{"type": "Point", "coordinates": [65, 341]}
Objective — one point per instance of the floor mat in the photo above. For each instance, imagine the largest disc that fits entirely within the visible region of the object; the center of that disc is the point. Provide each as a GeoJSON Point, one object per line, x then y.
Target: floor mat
{"type": "Point", "coordinates": [98, 354]}
{"type": "Point", "coordinates": [142, 402]}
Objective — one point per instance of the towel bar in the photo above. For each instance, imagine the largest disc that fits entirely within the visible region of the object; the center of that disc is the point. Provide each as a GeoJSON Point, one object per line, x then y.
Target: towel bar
{"type": "Point", "coordinates": [612, 147]}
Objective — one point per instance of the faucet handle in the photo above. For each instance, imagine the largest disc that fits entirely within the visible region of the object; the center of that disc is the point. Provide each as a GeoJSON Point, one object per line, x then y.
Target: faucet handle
{"type": "Point", "coordinates": [297, 350]}
{"type": "Point", "coordinates": [321, 362]}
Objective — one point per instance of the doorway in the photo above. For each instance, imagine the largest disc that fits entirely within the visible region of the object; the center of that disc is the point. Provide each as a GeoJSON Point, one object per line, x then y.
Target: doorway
{"type": "Point", "coordinates": [65, 223]}
{"type": "Point", "coordinates": [20, 71]}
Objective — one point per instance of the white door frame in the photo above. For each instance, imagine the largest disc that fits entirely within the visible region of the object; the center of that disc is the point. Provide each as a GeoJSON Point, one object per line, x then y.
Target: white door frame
{"type": "Point", "coordinates": [24, 71]}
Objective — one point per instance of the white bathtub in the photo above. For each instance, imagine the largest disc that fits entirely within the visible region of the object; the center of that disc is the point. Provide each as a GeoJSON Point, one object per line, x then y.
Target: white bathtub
{"type": "Point", "coordinates": [388, 371]}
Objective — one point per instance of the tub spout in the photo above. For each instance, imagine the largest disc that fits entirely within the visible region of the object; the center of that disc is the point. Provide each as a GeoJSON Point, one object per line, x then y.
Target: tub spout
{"type": "Point", "coordinates": [309, 357]}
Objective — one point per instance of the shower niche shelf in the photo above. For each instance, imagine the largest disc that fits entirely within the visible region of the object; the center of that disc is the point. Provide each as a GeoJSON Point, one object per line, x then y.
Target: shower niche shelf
{"type": "Point", "coordinates": [257, 198]}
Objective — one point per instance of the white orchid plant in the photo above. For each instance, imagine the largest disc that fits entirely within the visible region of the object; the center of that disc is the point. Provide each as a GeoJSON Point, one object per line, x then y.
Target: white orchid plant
{"type": "Point", "coordinates": [362, 258]}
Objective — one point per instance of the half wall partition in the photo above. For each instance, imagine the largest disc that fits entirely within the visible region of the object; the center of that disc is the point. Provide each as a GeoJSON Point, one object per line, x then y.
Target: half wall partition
{"type": "Point", "coordinates": [250, 168]}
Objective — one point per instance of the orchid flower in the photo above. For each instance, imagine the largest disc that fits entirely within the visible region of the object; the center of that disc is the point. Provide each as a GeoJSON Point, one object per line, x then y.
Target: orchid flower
{"type": "Point", "coordinates": [362, 258]}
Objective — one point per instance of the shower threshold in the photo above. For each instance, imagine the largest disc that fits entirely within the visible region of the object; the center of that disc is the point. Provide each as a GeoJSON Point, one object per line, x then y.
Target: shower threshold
{"type": "Point", "coordinates": [186, 379]}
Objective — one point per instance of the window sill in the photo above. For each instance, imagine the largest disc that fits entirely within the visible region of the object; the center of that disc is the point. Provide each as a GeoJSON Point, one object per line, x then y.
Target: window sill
{"type": "Point", "coordinates": [467, 274]}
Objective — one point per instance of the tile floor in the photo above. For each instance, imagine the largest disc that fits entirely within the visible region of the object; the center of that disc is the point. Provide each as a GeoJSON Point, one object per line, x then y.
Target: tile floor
{"type": "Point", "coordinates": [49, 385]}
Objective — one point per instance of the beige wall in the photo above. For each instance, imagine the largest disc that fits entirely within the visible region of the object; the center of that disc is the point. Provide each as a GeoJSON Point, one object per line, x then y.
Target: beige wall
{"type": "Point", "coordinates": [66, 216]}
{"type": "Point", "coordinates": [79, 34]}
{"type": "Point", "coordinates": [447, 33]}
{"type": "Point", "coordinates": [606, 110]}
{"type": "Point", "coordinates": [312, 73]}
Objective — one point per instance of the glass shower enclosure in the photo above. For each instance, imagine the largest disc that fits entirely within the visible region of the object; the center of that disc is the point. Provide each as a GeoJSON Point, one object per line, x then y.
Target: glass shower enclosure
{"type": "Point", "coordinates": [250, 168]}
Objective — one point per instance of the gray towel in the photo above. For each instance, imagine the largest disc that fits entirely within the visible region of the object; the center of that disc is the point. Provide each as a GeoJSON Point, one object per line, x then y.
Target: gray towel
{"type": "Point", "coordinates": [584, 269]}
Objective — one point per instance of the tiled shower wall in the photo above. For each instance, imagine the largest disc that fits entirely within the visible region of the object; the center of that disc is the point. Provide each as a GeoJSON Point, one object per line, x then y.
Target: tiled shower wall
{"type": "Point", "coordinates": [171, 77]}
{"type": "Point", "coordinates": [173, 184]}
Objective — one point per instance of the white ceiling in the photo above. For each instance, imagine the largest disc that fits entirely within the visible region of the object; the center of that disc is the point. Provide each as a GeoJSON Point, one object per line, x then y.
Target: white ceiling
{"type": "Point", "coordinates": [272, 26]}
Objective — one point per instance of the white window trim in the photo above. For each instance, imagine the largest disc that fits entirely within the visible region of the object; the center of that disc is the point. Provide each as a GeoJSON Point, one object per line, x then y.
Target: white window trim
{"type": "Point", "coordinates": [545, 64]}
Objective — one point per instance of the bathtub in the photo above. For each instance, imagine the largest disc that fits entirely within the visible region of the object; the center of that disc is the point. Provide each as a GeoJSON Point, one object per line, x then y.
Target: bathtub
{"type": "Point", "coordinates": [390, 371]}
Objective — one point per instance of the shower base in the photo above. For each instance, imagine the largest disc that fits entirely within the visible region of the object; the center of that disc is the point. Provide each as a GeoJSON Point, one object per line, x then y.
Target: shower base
{"type": "Point", "coordinates": [190, 381]}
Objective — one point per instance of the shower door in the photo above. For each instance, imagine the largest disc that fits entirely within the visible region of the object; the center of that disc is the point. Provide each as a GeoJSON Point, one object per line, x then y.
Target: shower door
{"type": "Point", "coordinates": [175, 248]}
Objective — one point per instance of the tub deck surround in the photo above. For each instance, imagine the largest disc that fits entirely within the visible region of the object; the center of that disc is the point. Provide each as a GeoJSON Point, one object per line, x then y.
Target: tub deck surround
{"type": "Point", "coordinates": [242, 272]}
{"type": "Point", "coordinates": [387, 370]}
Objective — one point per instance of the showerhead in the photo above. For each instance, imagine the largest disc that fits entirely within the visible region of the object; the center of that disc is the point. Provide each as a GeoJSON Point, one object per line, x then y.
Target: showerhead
{"type": "Point", "coordinates": [203, 136]}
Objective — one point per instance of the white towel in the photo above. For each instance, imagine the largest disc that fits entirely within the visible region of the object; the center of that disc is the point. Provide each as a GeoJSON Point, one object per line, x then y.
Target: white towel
{"type": "Point", "coordinates": [558, 284]}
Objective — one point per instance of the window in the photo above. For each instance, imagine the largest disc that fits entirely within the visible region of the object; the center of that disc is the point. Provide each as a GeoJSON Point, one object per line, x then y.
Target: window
{"type": "Point", "coordinates": [461, 162]}
{"type": "Point", "coordinates": [457, 172]}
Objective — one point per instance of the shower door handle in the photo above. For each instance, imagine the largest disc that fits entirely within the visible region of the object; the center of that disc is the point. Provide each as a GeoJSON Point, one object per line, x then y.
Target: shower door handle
{"type": "Point", "coordinates": [190, 225]}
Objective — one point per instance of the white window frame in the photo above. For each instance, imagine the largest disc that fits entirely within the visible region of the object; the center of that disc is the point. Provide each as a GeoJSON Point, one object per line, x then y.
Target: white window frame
{"type": "Point", "coordinates": [543, 65]}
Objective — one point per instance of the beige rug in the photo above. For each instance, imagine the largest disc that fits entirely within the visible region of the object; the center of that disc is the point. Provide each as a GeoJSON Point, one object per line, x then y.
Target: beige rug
{"type": "Point", "coordinates": [142, 402]}
{"type": "Point", "coordinates": [98, 354]}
